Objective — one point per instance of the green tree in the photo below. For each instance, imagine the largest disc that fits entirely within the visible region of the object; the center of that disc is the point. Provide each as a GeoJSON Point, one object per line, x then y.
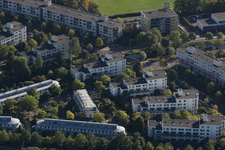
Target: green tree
{"type": "Point", "coordinates": [15, 18]}
{"type": "Point", "coordinates": [186, 115]}
{"type": "Point", "coordinates": [69, 115]}
{"type": "Point", "coordinates": [168, 146]}
{"type": "Point", "coordinates": [44, 27]}
{"type": "Point", "coordinates": [171, 50]}
{"type": "Point", "coordinates": [55, 90]}
{"type": "Point", "coordinates": [9, 103]}
{"type": "Point", "coordinates": [69, 142]}
{"type": "Point", "coordinates": [218, 44]}
{"type": "Point", "coordinates": [85, 39]}
{"type": "Point", "coordinates": [29, 24]}
{"type": "Point", "coordinates": [188, 147]}
{"type": "Point", "coordinates": [21, 18]}
{"type": "Point", "coordinates": [184, 85]}
{"type": "Point", "coordinates": [2, 16]}
{"type": "Point", "coordinates": [172, 86]}
{"type": "Point", "coordinates": [147, 116]}
{"type": "Point", "coordinates": [74, 47]}
{"type": "Point", "coordinates": [188, 74]}
{"type": "Point", "coordinates": [49, 24]}
{"type": "Point", "coordinates": [210, 87]}
{"type": "Point", "coordinates": [142, 55]}
{"type": "Point", "coordinates": [47, 141]}
{"type": "Point", "coordinates": [77, 84]}
{"type": "Point", "coordinates": [1, 110]}
{"type": "Point", "coordinates": [92, 142]}
{"type": "Point", "coordinates": [218, 96]}
{"type": "Point", "coordinates": [99, 85]}
{"type": "Point", "coordinates": [4, 137]}
{"type": "Point", "coordinates": [137, 67]}
{"type": "Point", "coordinates": [80, 141]}
{"type": "Point", "coordinates": [159, 148]}
{"type": "Point", "coordinates": [99, 117]}
{"type": "Point", "coordinates": [33, 92]}
{"type": "Point", "coordinates": [165, 42]}
{"type": "Point", "coordinates": [139, 125]}
{"type": "Point", "coordinates": [174, 35]}
{"type": "Point", "coordinates": [137, 145]}
{"type": "Point", "coordinates": [156, 32]}
{"type": "Point", "coordinates": [56, 29]}
{"type": "Point", "coordinates": [130, 73]}
{"type": "Point", "coordinates": [121, 76]}
{"type": "Point", "coordinates": [71, 33]}
{"type": "Point", "coordinates": [27, 48]}
{"type": "Point", "coordinates": [61, 72]}
{"type": "Point", "coordinates": [80, 114]}
{"type": "Point", "coordinates": [167, 92]}
{"type": "Point", "coordinates": [29, 103]}
{"type": "Point", "coordinates": [177, 114]}
{"type": "Point", "coordinates": [63, 27]}
{"type": "Point", "coordinates": [163, 63]}
{"type": "Point", "coordinates": [209, 145]}
{"type": "Point", "coordinates": [41, 114]}
{"type": "Point", "coordinates": [58, 58]}
{"type": "Point", "coordinates": [160, 51]}
{"type": "Point", "coordinates": [54, 103]}
{"type": "Point", "coordinates": [184, 36]}
{"type": "Point", "coordinates": [215, 107]}
{"type": "Point", "coordinates": [147, 39]}
{"type": "Point", "coordinates": [53, 111]}
{"type": "Point", "coordinates": [219, 35]}
{"type": "Point", "coordinates": [36, 139]}
{"type": "Point", "coordinates": [165, 116]}
{"type": "Point", "coordinates": [35, 20]}
{"type": "Point", "coordinates": [59, 138]}
{"type": "Point", "coordinates": [206, 100]}
{"type": "Point", "coordinates": [122, 116]}
{"type": "Point", "coordinates": [172, 75]}
{"type": "Point", "coordinates": [33, 43]}
{"type": "Point", "coordinates": [222, 142]}
{"type": "Point", "coordinates": [99, 42]}
{"type": "Point", "coordinates": [208, 36]}
{"type": "Point", "coordinates": [85, 3]}
{"type": "Point", "coordinates": [149, 146]}
{"type": "Point", "coordinates": [89, 47]}
{"type": "Point", "coordinates": [105, 79]}
{"type": "Point", "coordinates": [136, 115]}
{"type": "Point", "coordinates": [25, 136]}
{"type": "Point", "coordinates": [192, 36]}
{"type": "Point", "coordinates": [93, 7]}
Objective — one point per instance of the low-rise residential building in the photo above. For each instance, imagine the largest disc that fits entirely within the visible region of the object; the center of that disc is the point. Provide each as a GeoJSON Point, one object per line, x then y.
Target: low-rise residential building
{"type": "Point", "coordinates": [9, 123]}
{"type": "Point", "coordinates": [42, 87]}
{"type": "Point", "coordinates": [201, 63]}
{"type": "Point", "coordinates": [145, 85]}
{"type": "Point", "coordinates": [12, 33]}
{"type": "Point", "coordinates": [48, 50]}
{"type": "Point", "coordinates": [85, 103]}
{"type": "Point", "coordinates": [165, 20]}
{"type": "Point", "coordinates": [207, 127]}
{"type": "Point", "coordinates": [216, 22]}
{"type": "Point", "coordinates": [72, 127]}
{"type": "Point", "coordinates": [111, 64]}
{"type": "Point", "coordinates": [158, 105]}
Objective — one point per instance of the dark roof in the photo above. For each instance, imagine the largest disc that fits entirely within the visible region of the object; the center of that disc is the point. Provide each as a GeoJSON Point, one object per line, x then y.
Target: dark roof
{"type": "Point", "coordinates": [62, 38]}
{"type": "Point", "coordinates": [115, 57]}
{"type": "Point", "coordinates": [220, 16]}
{"type": "Point", "coordinates": [180, 123]}
{"type": "Point", "coordinates": [159, 13]}
{"type": "Point", "coordinates": [84, 70]}
{"type": "Point", "coordinates": [30, 53]}
{"type": "Point", "coordinates": [118, 84]}
{"type": "Point", "coordinates": [4, 35]}
{"type": "Point", "coordinates": [212, 120]}
{"type": "Point", "coordinates": [34, 3]}
{"type": "Point", "coordinates": [204, 56]}
{"type": "Point", "coordinates": [188, 94]}
{"type": "Point", "coordinates": [16, 26]}
{"type": "Point", "coordinates": [157, 74]}
{"type": "Point", "coordinates": [155, 99]}
{"type": "Point", "coordinates": [43, 48]}
{"type": "Point", "coordinates": [152, 123]}
{"type": "Point", "coordinates": [134, 81]}
{"type": "Point", "coordinates": [207, 21]}
{"type": "Point", "coordinates": [95, 65]}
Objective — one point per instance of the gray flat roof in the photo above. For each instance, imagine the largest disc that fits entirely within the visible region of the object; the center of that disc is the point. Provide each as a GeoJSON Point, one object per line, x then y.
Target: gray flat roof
{"type": "Point", "coordinates": [84, 70]}
{"type": "Point", "coordinates": [95, 65]}
{"type": "Point", "coordinates": [207, 21]}
{"type": "Point", "coordinates": [188, 94]}
{"type": "Point", "coordinates": [62, 38]}
{"type": "Point", "coordinates": [84, 98]}
{"type": "Point", "coordinates": [155, 99]}
{"type": "Point", "coordinates": [212, 120]}
{"type": "Point", "coordinates": [159, 13]}
{"type": "Point", "coordinates": [43, 48]}
{"type": "Point", "coordinates": [110, 23]}
{"type": "Point", "coordinates": [220, 16]}
{"type": "Point", "coordinates": [118, 84]}
{"type": "Point", "coordinates": [180, 123]}
{"type": "Point", "coordinates": [157, 74]}
{"type": "Point", "coordinates": [28, 53]}
{"type": "Point", "coordinates": [135, 81]}
{"type": "Point", "coordinates": [16, 26]}
{"type": "Point", "coordinates": [116, 56]}
{"type": "Point", "coordinates": [34, 3]}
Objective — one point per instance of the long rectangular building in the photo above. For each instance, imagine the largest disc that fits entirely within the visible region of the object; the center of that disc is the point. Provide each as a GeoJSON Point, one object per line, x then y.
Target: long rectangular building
{"type": "Point", "coordinates": [100, 26]}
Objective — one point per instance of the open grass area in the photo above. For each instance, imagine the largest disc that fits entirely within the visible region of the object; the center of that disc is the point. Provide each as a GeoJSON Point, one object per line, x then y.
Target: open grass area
{"type": "Point", "coordinates": [112, 7]}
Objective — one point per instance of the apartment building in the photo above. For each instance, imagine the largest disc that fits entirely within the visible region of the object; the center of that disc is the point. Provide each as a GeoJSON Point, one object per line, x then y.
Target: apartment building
{"type": "Point", "coordinates": [99, 26]}
{"type": "Point", "coordinates": [85, 103]}
{"type": "Point", "coordinates": [158, 105]}
{"type": "Point", "coordinates": [42, 87]}
{"type": "Point", "coordinates": [209, 127]}
{"type": "Point", "coordinates": [12, 33]}
{"type": "Point", "coordinates": [72, 127]}
{"type": "Point", "coordinates": [9, 123]}
{"type": "Point", "coordinates": [165, 20]}
{"type": "Point", "coordinates": [201, 63]}
{"type": "Point", "coordinates": [111, 64]}
{"type": "Point", "coordinates": [48, 50]}
{"type": "Point", "coordinates": [145, 85]}
{"type": "Point", "coordinates": [216, 22]}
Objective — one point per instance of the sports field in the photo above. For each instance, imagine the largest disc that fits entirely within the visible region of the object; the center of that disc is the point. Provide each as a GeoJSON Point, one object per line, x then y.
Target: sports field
{"type": "Point", "coordinates": [112, 7]}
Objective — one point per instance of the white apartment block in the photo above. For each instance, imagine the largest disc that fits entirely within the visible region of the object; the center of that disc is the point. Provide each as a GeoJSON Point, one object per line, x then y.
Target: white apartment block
{"type": "Point", "coordinates": [42, 88]}
{"type": "Point", "coordinates": [85, 103]}
{"type": "Point", "coordinates": [158, 105]}
{"type": "Point", "coordinates": [48, 50]}
{"type": "Point", "coordinates": [12, 33]}
{"type": "Point", "coordinates": [200, 62]}
{"type": "Point", "coordinates": [111, 64]}
{"type": "Point", "coordinates": [145, 85]}
{"type": "Point", "coordinates": [100, 26]}
{"type": "Point", "coordinates": [174, 130]}
{"type": "Point", "coordinates": [9, 123]}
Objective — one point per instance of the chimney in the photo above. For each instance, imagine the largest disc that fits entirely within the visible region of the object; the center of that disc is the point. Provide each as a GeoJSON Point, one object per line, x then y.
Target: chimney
{"type": "Point", "coordinates": [9, 25]}
{"type": "Point", "coordinates": [55, 38]}
{"type": "Point", "coordinates": [104, 17]}
{"type": "Point", "coordinates": [217, 62]}
{"type": "Point", "coordinates": [166, 5]}
{"type": "Point", "coordinates": [47, 2]}
{"type": "Point", "coordinates": [180, 92]}
{"type": "Point", "coordinates": [149, 73]}
{"type": "Point", "coordinates": [205, 117]}
{"type": "Point", "coordinates": [191, 50]}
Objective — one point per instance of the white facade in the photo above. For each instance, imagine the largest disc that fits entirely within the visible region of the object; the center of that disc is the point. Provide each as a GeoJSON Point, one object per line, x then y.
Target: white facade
{"type": "Point", "coordinates": [9, 123]}
{"type": "Point", "coordinates": [85, 103]}
{"type": "Point", "coordinates": [111, 64]}
{"type": "Point", "coordinates": [201, 63]}
{"type": "Point", "coordinates": [210, 127]}
{"type": "Point", "coordinates": [42, 87]}
{"type": "Point", "coordinates": [12, 33]}
{"type": "Point", "coordinates": [145, 85]}
{"type": "Point", "coordinates": [158, 105]}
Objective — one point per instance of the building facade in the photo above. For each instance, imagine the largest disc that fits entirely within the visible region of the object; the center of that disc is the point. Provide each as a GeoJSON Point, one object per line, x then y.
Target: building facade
{"type": "Point", "coordinates": [12, 33]}
{"type": "Point", "coordinates": [9, 123]}
{"type": "Point", "coordinates": [42, 87]}
{"type": "Point", "coordinates": [111, 64]}
{"type": "Point", "coordinates": [48, 50]}
{"type": "Point", "coordinates": [158, 105]}
{"type": "Point", "coordinates": [165, 20]}
{"type": "Point", "coordinates": [145, 85]}
{"type": "Point", "coordinates": [85, 103]}
{"type": "Point", "coordinates": [72, 127]}
{"type": "Point", "coordinates": [201, 63]}
{"type": "Point", "coordinates": [207, 127]}
{"type": "Point", "coordinates": [99, 26]}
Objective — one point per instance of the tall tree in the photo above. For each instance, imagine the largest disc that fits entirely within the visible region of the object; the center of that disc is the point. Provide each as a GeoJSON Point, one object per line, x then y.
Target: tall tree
{"type": "Point", "coordinates": [219, 35]}
{"type": "Point", "coordinates": [93, 7]}
{"type": "Point", "coordinates": [29, 24]}
{"type": "Point", "coordinates": [99, 85]}
{"type": "Point", "coordinates": [92, 141]}
{"type": "Point", "coordinates": [44, 27]}
{"type": "Point", "coordinates": [36, 139]}
{"type": "Point", "coordinates": [56, 30]}
{"type": "Point", "coordinates": [69, 115]}
{"type": "Point", "coordinates": [137, 67]}
{"type": "Point", "coordinates": [99, 42]}
{"type": "Point", "coordinates": [59, 138]}
{"type": "Point", "coordinates": [69, 142]}
{"type": "Point", "coordinates": [29, 103]}
{"type": "Point", "coordinates": [63, 27]}
{"type": "Point", "coordinates": [122, 116]}
{"type": "Point", "coordinates": [142, 55]}
{"type": "Point", "coordinates": [33, 43]}
{"type": "Point", "coordinates": [139, 125]}
{"type": "Point", "coordinates": [33, 92]}
{"type": "Point", "coordinates": [208, 36]}
{"type": "Point", "coordinates": [71, 33]}
{"type": "Point", "coordinates": [210, 87]}
{"type": "Point", "coordinates": [149, 146]}
{"type": "Point", "coordinates": [105, 79]}
{"type": "Point", "coordinates": [37, 66]}
{"type": "Point", "coordinates": [172, 75]}
{"type": "Point", "coordinates": [147, 39]}
{"type": "Point", "coordinates": [74, 47]}
{"type": "Point", "coordinates": [77, 84]}
{"type": "Point", "coordinates": [85, 3]}
{"type": "Point", "coordinates": [192, 36]}
{"type": "Point", "coordinates": [99, 117]}
{"type": "Point", "coordinates": [163, 63]}
{"type": "Point", "coordinates": [165, 116]}
{"type": "Point", "coordinates": [4, 137]}
{"type": "Point", "coordinates": [80, 141]}
{"type": "Point", "coordinates": [156, 32]}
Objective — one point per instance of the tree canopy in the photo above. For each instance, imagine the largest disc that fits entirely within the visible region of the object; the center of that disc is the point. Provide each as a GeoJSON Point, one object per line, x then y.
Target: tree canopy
{"type": "Point", "coordinates": [29, 103]}
{"type": "Point", "coordinates": [77, 84]}
{"type": "Point", "coordinates": [99, 117]}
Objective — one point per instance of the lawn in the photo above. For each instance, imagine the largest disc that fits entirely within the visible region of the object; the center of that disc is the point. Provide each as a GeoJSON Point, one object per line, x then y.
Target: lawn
{"type": "Point", "coordinates": [112, 7]}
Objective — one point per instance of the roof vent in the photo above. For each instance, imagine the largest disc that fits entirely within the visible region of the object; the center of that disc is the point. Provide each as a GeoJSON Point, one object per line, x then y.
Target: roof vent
{"type": "Point", "coordinates": [156, 74]}
{"type": "Point", "coordinates": [80, 14]}
{"type": "Point", "coordinates": [157, 98]}
{"type": "Point", "coordinates": [67, 10]}
{"type": "Point", "coordinates": [212, 120]}
{"type": "Point", "coordinates": [150, 98]}
{"type": "Point", "coordinates": [187, 94]}
{"type": "Point", "coordinates": [164, 97]}
{"type": "Point", "coordinates": [54, 7]}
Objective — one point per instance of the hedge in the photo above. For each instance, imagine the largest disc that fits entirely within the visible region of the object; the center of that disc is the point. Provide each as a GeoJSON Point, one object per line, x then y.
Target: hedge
{"type": "Point", "coordinates": [125, 15]}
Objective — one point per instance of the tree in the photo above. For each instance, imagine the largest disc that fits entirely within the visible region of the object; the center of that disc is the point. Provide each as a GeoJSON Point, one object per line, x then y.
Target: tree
{"type": "Point", "coordinates": [21, 18]}
{"type": "Point", "coordinates": [163, 63]}
{"type": "Point", "coordinates": [58, 58]}
{"type": "Point", "coordinates": [184, 36]}
{"type": "Point", "coordinates": [80, 141]}
{"type": "Point", "coordinates": [165, 42]}
{"type": "Point", "coordinates": [49, 24]}
{"type": "Point", "coordinates": [172, 75]}
{"type": "Point", "coordinates": [139, 125]}
{"type": "Point", "coordinates": [4, 137]}
{"type": "Point", "coordinates": [206, 100]}
{"type": "Point", "coordinates": [137, 67]}
{"type": "Point", "coordinates": [137, 145]}
{"type": "Point", "coordinates": [218, 96]}
{"type": "Point", "coordinates": [171, 50]}
{"type": "Point", "coordinates": [159, 148]}
{"type": "Point", "coordinates": [33, 43]}
{"type": "Point", "coordinates": [215, 107]}
{"type": "Point", "coordinates": [74, 47]}
{"type": "Point", "coordinates": [165, 116]}
{"type": "Point", "coordinates": [35, 20]}
{"type": "Point", "coordinates": [167, 92]}
{"type": "Point", "coordinates": [149, 146]}
{"type": "Point", "coordinates": [69, 142]}
{"type": "Point", "coordinates": [47, 141]}
{"type": "Point", "coordinates": [147, 116]}
{"type": "Point", "coordinates": [61, 72]}
{"type": "Point", "coordinates": [36, 139]}
{"type": "Point", "coordinates": [160, 51]}
{"type": "Point", "coordinates": [2, 16]}
{"type": "Point", "coordinates": [99, 42]}
{"type": "Point", "coordinates": [192, 36]}
{"type": "Point", "coordinates": [121, 76]}
{"type": "Point", "coordinates": [27, 48]}
{"type": "Point", "coordinates": [219, 35]}
{"type": "Point", "coordinates": [33, 92]}
{"type": "Point", "coordinates": [172, 86]}
{"type": "Point", "coordinates": [119, 19]}
{"type": "Point", "coordinates": [122, 116]}
{"type": "Point", "coordinates": [80, 114]}
{"type": "Point", "coordinates": [69, 115]}
{"type": "Point", "coordinates": [93, 7]}
{"type": "Point", "coordinates": [188, 74]}
{"type": "Point", "coordinates": [142, 55]}
{"type": "Point", "coordinates": [147, 39]}
{"type": "Point", "coordinates": [53, 111]}
{"type": "Point", "coordinates": [156, 32]}
{"type": "Point", "coordinates": [183, 85]}
{"type": "Point", "coordinates": [136, 115]}
{"type": "Point", "coordinates": [168, 146]}
{"type": "Point", "coordinates": [71, 33]}
{"type": "Point", "coordinates": [218, 44]}
{"type": "Point", "coordinates": [41, 113]}
{"type": "Point", "coordinates": [99, 117]}
{"type": "Point", "coordinates": [1, 110]}
{"type": "Point", "coordinates": [105, 79]}
{"type": "Point", "coordinates": [56, 29]}
{"type": "Point", "coordinates": [59, 138]}
{"type": "Point", "coordinates": [174, 35]}
{"type": "Point", "coordinates": [85, 39]}
{"type": "Point", "coordinates": [222, 142]}
{"type": "Point", "coordinates": [92, 142]}
{"type": "Point", "coordinates": [208, 36]}
{"type": "Point", "coordinates": [77, 84]}
{"type": "Point", "coordinates": [130, 73]}
{"type": "Point", "coordinates": [186, 115]}
{"type": "Point", "coordinates": [9, 103]}
{"type": "Point", "coordinates": [89, 47]}
{"type": "Point", "coordinates": [188, 147]}
{"type": "Point", "coordinates": [44, 27]}
{"type": "Point", "coordinates": [15, 18]}
{"type": "Point", "coordinates": [99, 85]}
{"type": "Point", "coordinates": [209, 145]}
{"type": "Point", "coordinates": [29, 103]}
{"type": "Point", "coordinates": [210, 87]}
{"type": "Point", "coordinates": [29, 24]}
{"type": "Point", "coordinates": [25, 136]}
{"type": "Point", "coordinates": [55, 90]}
{"type": "Point", "coordinates": [63, 27]}
{"type": "Point", "coordinates": [85, 3]}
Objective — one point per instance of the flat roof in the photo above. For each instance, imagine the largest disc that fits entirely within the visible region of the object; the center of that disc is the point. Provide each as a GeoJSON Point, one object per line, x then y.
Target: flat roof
{"type": "Point", "coordinates": [219, 16]}
{"type": "Point", "coordinates": [180, 123]}
{"type": "Point", "coordinates": [212, 120]}
{"type": "Point", "coordinates": [95, 65]}
{"type": "Point", "coordinates": [33, 3]}
{"type": "Point", "coordinates": [155, 99]}
{"type": "Point", "coordinates": [118, 84]}
{"type": "Point", "coordinates": [159, 13]}
{"type": "Point", "coordinates": [82, 69]}
{"type": "Point", "coordinates": [115, 56]}
{"type": "Point", "coordinates": [188, 94]}
{"type": "Point", "coordinates": [110, 23]}
{"type": "Point", "coordinates": [84, 98]}
{"type": "Point", "coordinates": [30, 53]}
{"type": "Point", "coordinates": [208, 21]}
{"type": "Point", "coordinates": [44, 48]}
{"type": "Point", "coordinates": [135, 81]}
{"type": "Point", "coordinates": [62, 38]}
{"type": "Point", "coordinates": [8, 120]}
{"type": "Point", "coordinates": [157, 74]}
{"type": "Point", "coordinates": [16, 26]}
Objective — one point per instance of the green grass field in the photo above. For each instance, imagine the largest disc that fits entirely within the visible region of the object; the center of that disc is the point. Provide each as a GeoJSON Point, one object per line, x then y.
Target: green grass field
{"type": "Point", "coordinates": [112, 7]}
